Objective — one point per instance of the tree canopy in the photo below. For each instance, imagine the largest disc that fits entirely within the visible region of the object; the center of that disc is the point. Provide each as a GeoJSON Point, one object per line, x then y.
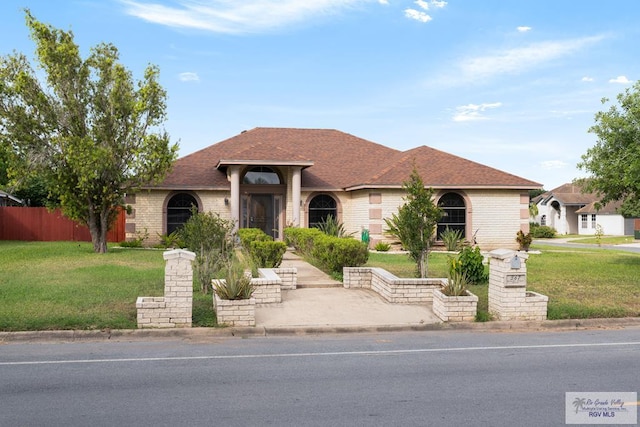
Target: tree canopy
{"type": "Point", "coordinates": [614, 162]}
{"type": "Point", "coordinates": [86, 128]}
{"type": "Point", "coordinates": [415, 223]}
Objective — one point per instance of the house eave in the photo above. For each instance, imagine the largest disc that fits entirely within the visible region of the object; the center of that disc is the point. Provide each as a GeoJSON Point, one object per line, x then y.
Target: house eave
{"type": "Point", "coordinates": [223, 163]}
{"type": "Point", "coordinates": [445, 187]}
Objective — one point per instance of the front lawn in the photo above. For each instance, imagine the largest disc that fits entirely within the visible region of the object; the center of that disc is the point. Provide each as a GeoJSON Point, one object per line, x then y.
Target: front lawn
{"type": "Point", "coordinates": [64, 285]}
{"type": "Point", "coordinates": [584, 283]}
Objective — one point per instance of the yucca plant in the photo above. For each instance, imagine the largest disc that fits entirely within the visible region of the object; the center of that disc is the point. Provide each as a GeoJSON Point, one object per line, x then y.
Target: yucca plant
{"type": "Point", "coordinates": [457, 284]}
{"type": "Point", "coordinates": [237, 282]}
{"type": "Point", "coordinates": [452, 239]}
{"type": "Point", "coordinates": [330, 226]}
{"type": "Point", "coordinates": [457, 281]}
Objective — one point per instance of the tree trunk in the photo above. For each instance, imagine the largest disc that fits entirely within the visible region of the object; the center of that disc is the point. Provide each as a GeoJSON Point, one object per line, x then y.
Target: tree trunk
{"type": "Point", "coordinates": [98, 227]}
{"type": "Point", "coordinates": [423, 263]}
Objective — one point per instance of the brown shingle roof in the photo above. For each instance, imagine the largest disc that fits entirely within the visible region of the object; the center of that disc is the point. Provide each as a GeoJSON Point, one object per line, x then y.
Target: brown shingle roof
{"type": "Point", "coordinates": [340, 161]}
{"type": "Point", "coordinates": [571, 194]}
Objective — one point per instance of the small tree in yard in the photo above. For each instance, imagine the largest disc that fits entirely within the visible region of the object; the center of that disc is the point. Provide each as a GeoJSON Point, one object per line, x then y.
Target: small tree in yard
{"type": "Point", "coordinates": [85, 128]}
{"type": "Point", "coordinates": [210, 237]}
{"type": "Point", "coordinates": [415, 223]}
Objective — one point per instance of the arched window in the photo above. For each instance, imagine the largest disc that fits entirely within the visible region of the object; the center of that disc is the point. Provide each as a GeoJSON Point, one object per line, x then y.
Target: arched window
{"type": "Point", "coordinates": [179, 210]}
{"type": "Point", "coordinates": [455, 214]}
{"type": "Point", "coordinates": [543, 220]}
{"type": "Point", "coordinates": [261, 175]}
{"type": "Point", "coordinates": [322, 207]}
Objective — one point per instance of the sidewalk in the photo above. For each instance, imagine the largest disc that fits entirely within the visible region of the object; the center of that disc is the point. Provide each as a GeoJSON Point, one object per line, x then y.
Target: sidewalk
{"type": "Point", "coordinates": [320, 301]}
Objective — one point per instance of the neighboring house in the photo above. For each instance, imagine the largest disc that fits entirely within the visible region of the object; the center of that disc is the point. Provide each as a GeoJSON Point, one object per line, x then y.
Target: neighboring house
{"type": "Point", "coordinates": [271, 178]}
{"type": "Point", "coordinates": [7, 199]}
{"type": "Point", "coordinates": [570, 211]}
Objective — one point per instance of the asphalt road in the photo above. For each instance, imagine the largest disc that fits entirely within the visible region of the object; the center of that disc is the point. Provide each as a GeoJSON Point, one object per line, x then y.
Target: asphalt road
{"type": "Point", "coordinates": [435, 378]}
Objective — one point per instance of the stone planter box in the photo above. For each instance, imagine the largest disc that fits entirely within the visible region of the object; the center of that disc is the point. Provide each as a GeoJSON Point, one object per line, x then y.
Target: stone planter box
{"type": "Point", "coordinates": [455, 309]}
{"type": "Point", "coordinates": [240, 312]}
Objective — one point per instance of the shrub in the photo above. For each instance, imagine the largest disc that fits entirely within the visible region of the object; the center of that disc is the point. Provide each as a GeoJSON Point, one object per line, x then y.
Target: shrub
{"type": "Point", "coordinates": [248, 235]}
{"type": "Point", "coordinates": [237, 283]}
{"type": "Point", "coordinates": [457, 280]}
{"type": "Point", "coordinates": [209, 236]}
{"type": "Point", "coordinates": [267, 254]}
{"type": "Point", "coordinates": [524, 240]}
{"type": "Point", "coordinates": [382, 247]}
{"type": "Point", "coordinates": [451, 239]}
{"type": "Point", "coordinates": [469, 262]}
{"type": "Point", "coordinates": [472, 266]}
{"type": "Point", "coordinates": [331, 227]}
{"type": "Point", "coordinates": [543, 232]}
{"type": "Point", "coordinates": [335, 253]}
{"type": "Point", "coordinates": [171, 240]}
{"type": "Point", "coordinates": [302, 238]}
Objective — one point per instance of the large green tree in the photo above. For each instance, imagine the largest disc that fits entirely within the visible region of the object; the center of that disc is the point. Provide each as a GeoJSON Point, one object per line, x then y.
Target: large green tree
{"type": "Point", "coordinates": [614, 162]}
{"type": "Point", "coordinates": [84, 125]}
{"type": "Point", "coordinates": [415, 223]}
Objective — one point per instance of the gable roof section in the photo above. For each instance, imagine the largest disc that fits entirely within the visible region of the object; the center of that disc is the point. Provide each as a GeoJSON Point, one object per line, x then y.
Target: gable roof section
{"type": "Point", "coordinates": [569, 195]}
{"type": "Point", "coordinates": [443, 170]}
{"type": "Point", "coordinates": [333, 160]}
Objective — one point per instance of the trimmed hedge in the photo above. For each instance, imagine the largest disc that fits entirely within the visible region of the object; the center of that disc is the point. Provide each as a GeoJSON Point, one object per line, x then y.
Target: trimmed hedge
{"type": "Point", "coordinates": [248, 235]}
{"type": "Point", "coordinates": [543, 232]}
{"type": "Point", "coordinates": [302, 238]}
{"type": "Point", "coordinates": [264, 252]}
{"type": "Point", "coordinates": [267, 254]}
{"type": "Point", "coordinates": [331, 252]}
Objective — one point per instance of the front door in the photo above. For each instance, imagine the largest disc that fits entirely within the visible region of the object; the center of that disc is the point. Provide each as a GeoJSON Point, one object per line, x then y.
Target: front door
{"type": "Point", "coordinates": [262, 211]}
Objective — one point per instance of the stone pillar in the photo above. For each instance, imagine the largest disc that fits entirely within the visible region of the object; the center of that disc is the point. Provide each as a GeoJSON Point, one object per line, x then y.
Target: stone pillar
{"type": "Point", "coordinates": [175, 308]}
{"type": "Point", "coordinates": [507, 282]}
{"type": "Point", "coordinates": [296, 181]}
{"type": "Point", "coordinates": [234, 176]}
{"type": "Point", "coordinates": [508, 296]}
{"type": "Point", "coordinates": [178, 286]}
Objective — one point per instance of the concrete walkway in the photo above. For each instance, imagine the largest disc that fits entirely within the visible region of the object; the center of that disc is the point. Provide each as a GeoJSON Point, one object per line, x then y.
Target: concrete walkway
{"type": "Point", "coordinates": [320, 301]}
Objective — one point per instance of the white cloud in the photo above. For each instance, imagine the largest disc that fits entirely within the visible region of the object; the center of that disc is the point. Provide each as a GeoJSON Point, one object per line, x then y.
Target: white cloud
{"type": "Point", "coordinates": [189, 77]}
{"type": "Point", "coordinates": [235, 17]}
{"type": "Point", "coordinates": [587, 79]}
{"type": "Point", "coordinates": [438, 4]}
{"type": "Point", "coordinates": [523, 58]}
{"type": "Point", "coordinates": [472, 112]}
{"type": "Point", "coordinates": [422, 4]}
{"type": "Point", "coordinates": [524, 29]}
{"type": "Point", "coordinates": [620, 79]}
{"type": "Point", "coordinates": [417, 15]}
{"type": "Point", "coordinates": [553, 164]}
{"type": "Point", "coordinates": [385, 2]}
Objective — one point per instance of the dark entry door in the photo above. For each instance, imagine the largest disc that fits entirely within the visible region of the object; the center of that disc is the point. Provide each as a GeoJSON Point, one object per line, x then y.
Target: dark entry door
{"type": "Point", "coordinates": [262, 211]}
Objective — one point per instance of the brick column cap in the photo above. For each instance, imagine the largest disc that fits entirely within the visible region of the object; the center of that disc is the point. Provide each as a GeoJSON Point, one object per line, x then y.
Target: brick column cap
{"type": "Point", "coordinates": [179, 253]}
{"type": "Point", "coordinates": [505, 254]}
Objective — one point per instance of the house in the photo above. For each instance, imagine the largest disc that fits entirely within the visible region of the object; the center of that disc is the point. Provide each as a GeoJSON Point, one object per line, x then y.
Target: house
{"type": "Point", "coordinates": [7, 199]}
{"type": "Point", "coordinates": [271, 178]}
{"type": "Point", "coordinates": [570, 211]}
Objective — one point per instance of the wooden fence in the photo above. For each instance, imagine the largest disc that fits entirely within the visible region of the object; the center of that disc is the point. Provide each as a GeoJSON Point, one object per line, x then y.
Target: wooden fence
{"type": "Point", "coordinates": [40, 224]}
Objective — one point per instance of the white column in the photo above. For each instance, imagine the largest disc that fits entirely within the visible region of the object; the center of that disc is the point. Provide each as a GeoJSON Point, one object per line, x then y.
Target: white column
{"type": "Point", "coordinates": [295, 194]}
{"type": "Point", "coordinates": [234, 172]}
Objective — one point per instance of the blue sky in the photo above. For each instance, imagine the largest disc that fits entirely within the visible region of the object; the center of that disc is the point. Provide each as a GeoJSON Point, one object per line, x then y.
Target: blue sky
{"type": "Point", "coordinates": [511, 84]}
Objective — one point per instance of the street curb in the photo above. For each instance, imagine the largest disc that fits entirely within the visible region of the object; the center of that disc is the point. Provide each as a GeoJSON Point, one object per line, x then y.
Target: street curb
{"type": "Point", "coordinates": [204, 334]}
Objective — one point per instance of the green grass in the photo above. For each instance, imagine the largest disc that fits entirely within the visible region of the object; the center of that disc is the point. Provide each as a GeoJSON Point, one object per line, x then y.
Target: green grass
{"type": "Point", "coordinates": [64, 285]}
{"type": "Point", "coordinates": [605, 240]}
{"type": "Point", "coordinates": [403, 266]}
{"type": "Point", "coordinates": [585, 283]}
